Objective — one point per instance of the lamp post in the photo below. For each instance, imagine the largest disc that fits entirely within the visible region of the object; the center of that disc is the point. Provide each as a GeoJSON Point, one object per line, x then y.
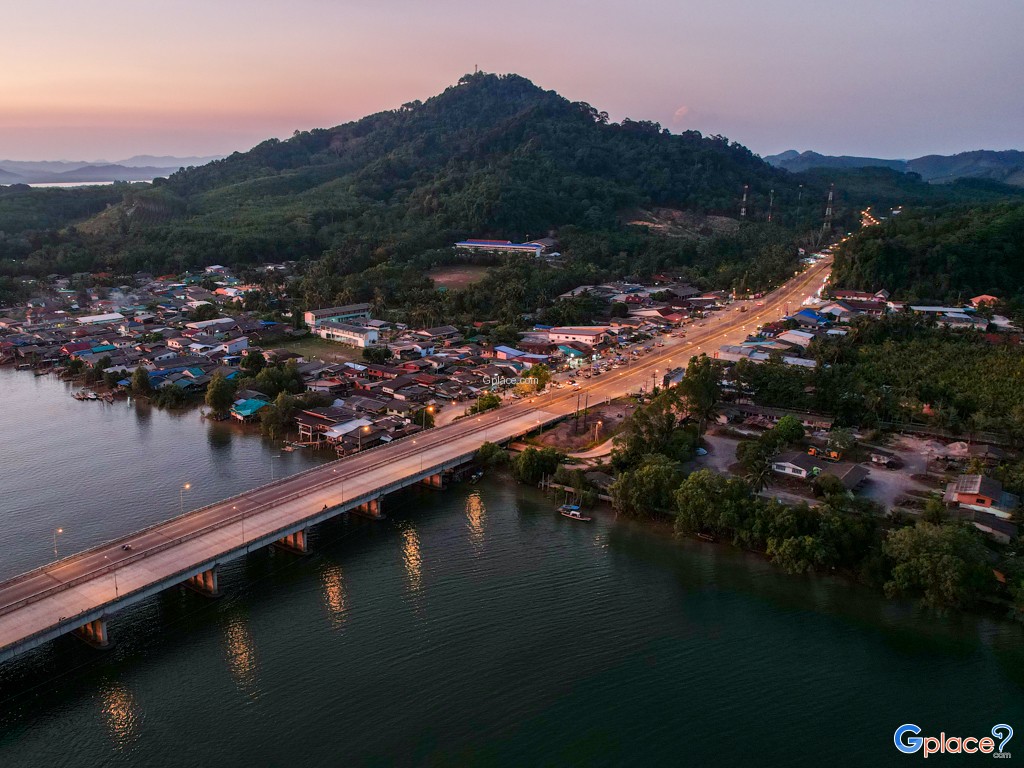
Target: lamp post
{"type": "Point", "coordinates": [56, 532]}
{"type": "Point", "coordinates": [429, 409]}
{"type": "Point", "coordinates": [361, 432]}
{"type": "Point", "coordinates": [116, 592]}
{"type": "Point", "coordinates": [181, 497]}
{"type": "Point", "coordinates": [597, 425]}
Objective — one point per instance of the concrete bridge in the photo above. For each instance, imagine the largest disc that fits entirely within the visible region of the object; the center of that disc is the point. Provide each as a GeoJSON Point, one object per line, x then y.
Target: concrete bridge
{"type": "Point", "coordinates": [78, 593]}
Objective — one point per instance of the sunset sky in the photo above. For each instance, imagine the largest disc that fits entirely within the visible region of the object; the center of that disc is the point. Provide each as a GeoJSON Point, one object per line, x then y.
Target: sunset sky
{"type": "Point", "coordinates": [893, 78]}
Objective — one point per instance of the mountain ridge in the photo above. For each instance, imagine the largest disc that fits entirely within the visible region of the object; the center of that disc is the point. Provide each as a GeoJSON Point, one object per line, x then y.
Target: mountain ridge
{"type": "Point", "coordinates": [1005, 166]}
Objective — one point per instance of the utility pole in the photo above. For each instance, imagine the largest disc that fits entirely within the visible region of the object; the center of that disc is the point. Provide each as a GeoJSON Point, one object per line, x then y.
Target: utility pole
{"type": "Point", "coordinates": [826, 226]}
{"type": "Point", "coordinates": [743, 205]}
{"type": "Point", "coordinates": [771, 204]}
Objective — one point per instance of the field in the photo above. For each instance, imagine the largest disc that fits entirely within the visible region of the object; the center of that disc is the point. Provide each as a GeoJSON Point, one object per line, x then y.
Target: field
{"type": "Point", "coordinates": [457, 275]}
{"type": "Point", "coordinates": [311, 347]}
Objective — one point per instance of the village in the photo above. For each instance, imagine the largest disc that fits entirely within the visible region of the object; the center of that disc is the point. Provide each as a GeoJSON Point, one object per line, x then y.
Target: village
{"type": "Point", "coordinates": [360, 381]}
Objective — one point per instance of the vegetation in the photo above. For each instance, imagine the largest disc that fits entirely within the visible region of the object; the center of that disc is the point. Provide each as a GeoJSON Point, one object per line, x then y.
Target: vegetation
{"type": "Point", "coordinates": [901, 369]}
{"type": "Point", "coordinates": [488, 401]}
{"type": "Point", "coordinates": [220, 394]}
{"type": "Point", "coordinates": [944, 256]}
{"type": "Point", "coordinates": [532, 464]}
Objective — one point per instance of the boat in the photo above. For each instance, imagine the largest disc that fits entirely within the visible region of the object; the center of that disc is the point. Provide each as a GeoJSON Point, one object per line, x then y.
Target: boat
{"type": "Point", "coordinates": [287, 448]}
{"type": "Point", "coordinates": [706, 537]}
{"type": "Point", "coordinates": [572, 511]}
{"type": "Point", "coordinates": [42, 372]}
{"type": "Point", "coordinates": [475, 477]}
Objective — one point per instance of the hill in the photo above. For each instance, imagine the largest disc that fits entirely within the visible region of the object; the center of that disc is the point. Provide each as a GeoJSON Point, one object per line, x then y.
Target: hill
{"type": "Point", "coordinates": [1006, 166]}
{"type": "Point", "coordinates": [940, 256]}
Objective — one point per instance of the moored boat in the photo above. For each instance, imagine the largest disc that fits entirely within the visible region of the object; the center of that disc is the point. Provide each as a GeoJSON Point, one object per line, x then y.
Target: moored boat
{"type": "Point", "coordinates": [572, 511]}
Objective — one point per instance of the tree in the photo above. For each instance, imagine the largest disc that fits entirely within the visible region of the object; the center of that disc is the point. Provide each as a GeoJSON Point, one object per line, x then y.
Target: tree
{"type": "Point", "coordinates": [701, 388]}
{"type": "Point", "coordinates": [619, 309]}
{"type": "Point", "coordinates": [275, 420]}
{"type": "Point", "coordinates": [204, 311]}
{"type": "Point", "coordinates": [220, 394]}
{"type": "Point", "coordinates": [488, 401]}
{"type": "Point", "coordinates": [648, 488]}
{"type": "Point", "coordinates": [787, 431]}
{"type": "Point", "coordinates": [945, 565]}
{"type": "Point", "coordinates": [541, 373]}
{"type": "Point", "coordinates": [253, 362]}
{"type": "Point", "coordinates": [378, 355]}
{"type": "Point", "coordinates": [828, 485]}
{"type": "Point", "coordinates": [654, 428]}
{"type": "Point", "coordinates": [140, 381]}
{"type": "Point", "coordinates": [840, 439]}
{"type": "Point", "coordinates": [532, 464]}
{"type": "Point", "coordinates": [491, 455]}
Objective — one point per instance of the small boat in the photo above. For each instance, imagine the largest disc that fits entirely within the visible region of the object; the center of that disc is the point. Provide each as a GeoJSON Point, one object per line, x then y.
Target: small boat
{"type": "Point", "coordinates": [475, 477]}
{"type": "Point", "coordinates": [41, 372]}
{"type": "Point", "coordinates": [572, 511]}
{"type": "Point", "coordinates": [706, 537]}
{"type": "Point", "coordinates": [287, 448]}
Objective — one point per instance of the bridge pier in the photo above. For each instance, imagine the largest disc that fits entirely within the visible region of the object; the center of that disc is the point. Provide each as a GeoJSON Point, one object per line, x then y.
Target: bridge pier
{"type": "Point", "coordinates": [373, 509]}
{"type": "Point", "coordinates": [204, 583]}
{"type": "Point", "coordinates": [294, 542]}
{"type": "Point", "coordinates": [434, 481]}
{"type": "Point", "coordinates": [94, 633]}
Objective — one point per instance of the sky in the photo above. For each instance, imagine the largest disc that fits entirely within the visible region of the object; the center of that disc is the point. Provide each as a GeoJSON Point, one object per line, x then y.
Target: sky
{"type": "Point", "coordinates": [109, 79]}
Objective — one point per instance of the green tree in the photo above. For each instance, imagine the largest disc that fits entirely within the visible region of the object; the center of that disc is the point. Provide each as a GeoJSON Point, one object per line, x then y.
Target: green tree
{"type": "Point", "coordinates": [253, 362]}
{"type": "Point", "coordinates": [541, 373]}
{"type": "Point", "coordinates": [488, 401]}
{"type": "Point", "coordinates": [140, 381]}
{"type": "Point", "coordinates": [220, 394]}
{"type": "Point", "coordinates": [534, 463]}
{"type": "Point", "coordinates": [648, 488]}
{"type": "Point", "coordinates": [378, 355]}
{"type": "Point", "coordinates": [944, 565]}
{"type": "Point", "coordinates": [491, 455]}
{"type": "Point", "coordinates": [204, 312]}
{"type": "Point", "coordinates": [701, 388]}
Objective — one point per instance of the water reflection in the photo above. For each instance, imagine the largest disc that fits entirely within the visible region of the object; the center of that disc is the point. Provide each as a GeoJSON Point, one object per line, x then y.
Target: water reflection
{"type": "Point", "coordinates": [475, 517]}
{"type": "Point", "coordinates": [241, 652]}
{"type": "Point", "coordinates": [413, 559]}
{"type": "Point", "coordinates": [121, 715]}
{"type": "Point", "coordinates": [217, 437]}
{"type": "Point", "coordinates": [334, 595]}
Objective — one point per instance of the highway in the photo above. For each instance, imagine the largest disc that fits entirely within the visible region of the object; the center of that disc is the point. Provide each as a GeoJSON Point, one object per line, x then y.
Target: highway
{"type": "Point", "coordinates": [62, 596]}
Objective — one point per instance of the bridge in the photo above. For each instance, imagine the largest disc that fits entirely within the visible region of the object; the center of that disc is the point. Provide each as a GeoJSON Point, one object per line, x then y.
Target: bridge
{"type": "Point", "coordinates": [77, 594]}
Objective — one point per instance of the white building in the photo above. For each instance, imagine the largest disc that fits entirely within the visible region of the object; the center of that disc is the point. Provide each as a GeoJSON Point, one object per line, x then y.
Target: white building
{"type": "Point", "coordinates": [353, 335]}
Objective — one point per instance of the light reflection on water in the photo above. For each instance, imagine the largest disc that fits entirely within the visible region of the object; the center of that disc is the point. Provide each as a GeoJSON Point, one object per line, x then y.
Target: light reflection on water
{"type": "Point", "coordinates": [412, 559]}
{"type": "Point", "coordinates": [241, 656]}
{"type": "Point", "coordinates": [121, 715]}
{"type": "Point", "coordinates": [334, 595]}
{"type": "Point", "coordinates": [475, 518]}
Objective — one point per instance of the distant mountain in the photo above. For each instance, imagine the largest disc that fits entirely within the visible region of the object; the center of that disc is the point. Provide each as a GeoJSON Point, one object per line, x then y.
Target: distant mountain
{"type": "Point", "coordinates": [137, 168]}
{"type": "Point", "coordinates": [1005, 166]}
{"type": "Point", "coordinates": [167, 161]}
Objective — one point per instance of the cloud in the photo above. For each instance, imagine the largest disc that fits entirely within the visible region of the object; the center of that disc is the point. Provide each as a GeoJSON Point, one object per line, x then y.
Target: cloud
{"type": "Point", "coordinates": [679, 115]}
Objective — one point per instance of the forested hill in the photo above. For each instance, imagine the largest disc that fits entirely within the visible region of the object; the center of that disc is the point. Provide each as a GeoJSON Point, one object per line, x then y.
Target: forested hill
{"type": "Point", "coordinates": [493, 155]}
{"type": "Point", "coordinates": [947, 255]}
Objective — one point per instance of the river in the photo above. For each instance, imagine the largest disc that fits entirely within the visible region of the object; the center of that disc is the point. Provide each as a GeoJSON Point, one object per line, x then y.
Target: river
{"type": "Point", "coordinates": [472, 627]}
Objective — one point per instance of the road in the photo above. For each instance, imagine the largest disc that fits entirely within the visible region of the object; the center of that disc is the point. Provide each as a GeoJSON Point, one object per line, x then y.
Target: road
{"type": "Point", "coordinates": [48, 600]}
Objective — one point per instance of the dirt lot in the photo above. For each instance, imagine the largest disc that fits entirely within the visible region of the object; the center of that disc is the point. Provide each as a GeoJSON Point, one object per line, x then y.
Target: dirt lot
{"type": "Point", "coordinates": [457, 276]}
{"type": "Point", "coordinates": [313, 347]}
{"type": "Point", "coordinates": [563, 437]}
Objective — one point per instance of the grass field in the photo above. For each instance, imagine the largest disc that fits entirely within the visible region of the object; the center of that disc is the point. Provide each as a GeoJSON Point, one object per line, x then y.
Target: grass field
{"type": "Point", "coordinates": [458, 275]}
{"type": "Point", "coordinates": [313, 347]}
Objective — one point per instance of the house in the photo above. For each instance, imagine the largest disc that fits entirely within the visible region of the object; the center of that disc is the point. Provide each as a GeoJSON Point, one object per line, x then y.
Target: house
{"type": "Point", "coordinates": [797, 464]}
{"type": "Point", "coordinates": [247, 410]}
{"type": "Point", "coordinates": [500, 246]}
{"type": "Point", "coordinates": [110, 317]}
{"type": "Point", "coordinates": [984, 298]}
{"type": "Point", "coordinates": [979, 492]}
{"type": "Point", "coordinates": [810, 317]}
{"type": "Point", "coordinates": [342, 314]}
{"type": "Point", "coordinates": [587, 335]}
{"type": "Point", "coordinates": [353, 335]}
{"type": "Point", "coordinates": [998, 528]}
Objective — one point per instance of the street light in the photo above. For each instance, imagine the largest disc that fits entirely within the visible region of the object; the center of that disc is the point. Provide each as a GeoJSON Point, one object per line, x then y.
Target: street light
{"type": "Point", "coordinates": [597, 425]}
{"type": "Point", "coordinates": [116, 593]}
{"type": "Point", "coordinates": [365, 428]}
{"type": "Point", "coordinates": [429, 409]}
{"type": "Point", "coordinates": [55, 532]}
{"type": "Point", "coordinates": [181, 497]}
